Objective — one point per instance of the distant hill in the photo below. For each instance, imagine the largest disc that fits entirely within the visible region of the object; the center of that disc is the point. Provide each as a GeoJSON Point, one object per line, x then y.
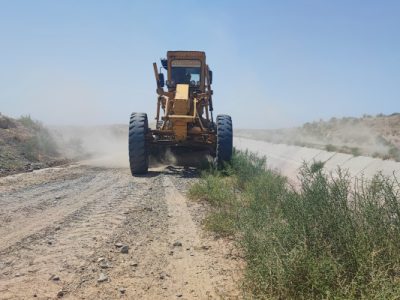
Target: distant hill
{"type": "Point", "coordinates": [377, 136]}
{"type": "Point", "coordinates": [25, 145]}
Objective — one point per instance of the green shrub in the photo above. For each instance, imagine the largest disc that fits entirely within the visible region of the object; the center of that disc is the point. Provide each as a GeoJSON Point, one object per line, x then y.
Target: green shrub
{"type": "Point", "coordinates": [214, 188]}
{"type": "Point", "coordinates": [29, 148]}
{"type": "Point", "coordinates": [331, 148]}
{"type": "Point", "coordinates": [316, 166]}
{"type": "Point", "coordinates": [325, 239]}
{"type": "Point", "coordinates": [40, 143]}
{"type": "Point", "coordinates": [355, 151]}
{"type": "Point", "coordinates": [28, 122]}
{"type": "Point", "coordinates": [376, 154]}
{"type": "Point", "coordinates": [394, 153]}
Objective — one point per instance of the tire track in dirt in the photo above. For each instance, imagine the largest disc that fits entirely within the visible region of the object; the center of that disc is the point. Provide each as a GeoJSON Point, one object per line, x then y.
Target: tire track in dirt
{"type": "Point", "coordinates": [189, 266]}
{"type": "Point", "coordinates": [41, 214]}
{"type": "Point", "coordinates": [74, 237]}
{"type": "Point", "coordinates": [213, 265]}
{"type": "Point", "coordinates": [93, 214]}
{"type": "Point", "coordinates": [19, 198]}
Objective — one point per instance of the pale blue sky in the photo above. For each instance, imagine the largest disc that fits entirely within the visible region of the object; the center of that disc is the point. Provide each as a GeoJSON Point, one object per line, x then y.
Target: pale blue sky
{"type": "Point", "coordinates": [275, 63]}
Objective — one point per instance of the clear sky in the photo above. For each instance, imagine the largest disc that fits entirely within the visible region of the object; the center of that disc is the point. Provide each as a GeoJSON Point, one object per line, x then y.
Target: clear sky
{"type": "Point", "coordinates": [275, 63]}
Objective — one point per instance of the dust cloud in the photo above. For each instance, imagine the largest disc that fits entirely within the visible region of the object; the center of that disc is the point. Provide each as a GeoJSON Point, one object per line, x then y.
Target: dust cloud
{"type": "Point", "coordinates": [107, 146]}
{"type": "Point", "coordinates": [375, 136]}
{"type": "Point", "coordinates": [101, 146]}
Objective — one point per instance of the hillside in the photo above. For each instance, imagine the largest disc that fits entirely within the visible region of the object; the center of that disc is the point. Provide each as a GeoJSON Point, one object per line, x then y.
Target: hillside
{"type": "Point", "coordinates": [26, 145]}
{"type": "Point", "coordinates": [377, 136]}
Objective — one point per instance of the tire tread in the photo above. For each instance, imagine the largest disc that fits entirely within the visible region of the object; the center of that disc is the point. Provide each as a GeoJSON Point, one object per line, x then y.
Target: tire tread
{"type": "Point", "coordinates": [138, 149]}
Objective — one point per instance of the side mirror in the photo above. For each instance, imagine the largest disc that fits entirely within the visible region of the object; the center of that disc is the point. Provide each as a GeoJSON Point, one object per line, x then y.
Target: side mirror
{"type": "Point", "coordinates": [161, 79]}
{"type": "Point", "coordinates": [210, 74]}
{"type": "Point", "coordinates": [164, 63]}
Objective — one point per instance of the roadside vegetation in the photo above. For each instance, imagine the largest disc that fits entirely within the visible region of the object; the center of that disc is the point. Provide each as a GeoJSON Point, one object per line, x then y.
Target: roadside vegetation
{"type": "Point", "coordinates": [326, 239]}
{"type": "Point", "coordinates": [355, 151]}
{"type": "Point", "coordinates": [40, 143]}
{"type": "Point", "coordinates": [376, 136]}
{"type": "Point", "coordinates": [25, 145]}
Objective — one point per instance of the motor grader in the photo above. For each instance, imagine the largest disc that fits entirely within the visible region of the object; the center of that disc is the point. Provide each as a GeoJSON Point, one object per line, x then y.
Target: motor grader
{"type": "Point", "coordinates": [184, 115]}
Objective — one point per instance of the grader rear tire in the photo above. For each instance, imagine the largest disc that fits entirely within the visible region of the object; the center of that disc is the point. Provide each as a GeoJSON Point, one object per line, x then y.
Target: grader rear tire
{"type": "Point", "coordinates": [224, 139]}
{"type": "Point", "coordinates": [138, 148]}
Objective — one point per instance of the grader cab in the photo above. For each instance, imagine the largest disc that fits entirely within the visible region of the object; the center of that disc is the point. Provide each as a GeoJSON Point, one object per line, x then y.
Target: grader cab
{"type": "Point", "coordinates": [184, 115]}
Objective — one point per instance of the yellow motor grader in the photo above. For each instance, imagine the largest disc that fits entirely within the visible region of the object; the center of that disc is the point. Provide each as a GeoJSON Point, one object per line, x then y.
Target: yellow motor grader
{"type": "Point", "coordinates": [184, 117]}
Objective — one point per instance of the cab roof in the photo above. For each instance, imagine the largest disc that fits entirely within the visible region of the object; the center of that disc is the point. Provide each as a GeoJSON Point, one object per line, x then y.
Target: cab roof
{"type": "Point", "coordinates": [186, 55]}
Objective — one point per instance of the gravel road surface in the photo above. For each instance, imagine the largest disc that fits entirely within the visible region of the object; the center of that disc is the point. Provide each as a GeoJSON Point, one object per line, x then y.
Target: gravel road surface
{"type": "Point", "coordinates": [84, 232]}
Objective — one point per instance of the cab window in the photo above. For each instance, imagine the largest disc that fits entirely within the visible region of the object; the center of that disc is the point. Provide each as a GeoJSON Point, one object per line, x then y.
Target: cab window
{"type": "Point", "coordinates": [186, 72]}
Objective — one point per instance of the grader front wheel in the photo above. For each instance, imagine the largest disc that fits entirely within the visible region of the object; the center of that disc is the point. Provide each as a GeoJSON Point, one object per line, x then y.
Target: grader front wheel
{"type": "Point", "coordinates": [224, 139]}
{"type": "Point", "coordinates": [138, 148]}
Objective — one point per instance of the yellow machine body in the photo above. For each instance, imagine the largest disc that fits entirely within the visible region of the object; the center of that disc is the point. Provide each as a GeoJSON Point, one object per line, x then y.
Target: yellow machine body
{"type": "Point", "coordinates": [184, 110]}
{"type": "Point", "coordinates": [184, 116]}
{"type": "Point", "coordinates": [181, 109]}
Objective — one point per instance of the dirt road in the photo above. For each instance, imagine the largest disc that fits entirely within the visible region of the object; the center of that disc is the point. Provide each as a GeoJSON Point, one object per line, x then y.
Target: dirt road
{"type": "Point", "coordinates": [63, 232]}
